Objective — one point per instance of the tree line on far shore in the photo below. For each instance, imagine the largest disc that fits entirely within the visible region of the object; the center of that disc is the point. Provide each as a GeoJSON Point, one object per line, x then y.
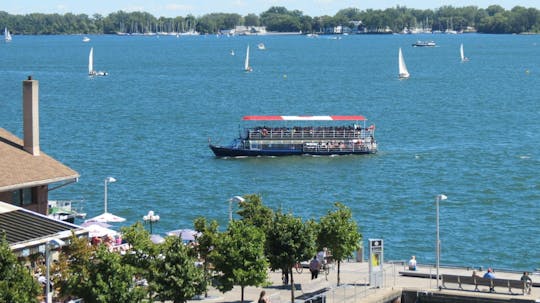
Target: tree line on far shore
{"type": "Point", "coordinates": [241, 255]}
{"type": "Point", "coordinates": [493, 19]}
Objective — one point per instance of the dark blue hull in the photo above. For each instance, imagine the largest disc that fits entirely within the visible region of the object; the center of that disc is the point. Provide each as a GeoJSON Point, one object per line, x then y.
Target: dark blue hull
{"type": "Point", "coordinates": [224, 151]}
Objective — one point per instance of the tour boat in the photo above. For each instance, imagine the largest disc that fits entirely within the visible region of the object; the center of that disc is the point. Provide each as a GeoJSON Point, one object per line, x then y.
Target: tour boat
{"type": "Point", "coordinates": [309, 135]}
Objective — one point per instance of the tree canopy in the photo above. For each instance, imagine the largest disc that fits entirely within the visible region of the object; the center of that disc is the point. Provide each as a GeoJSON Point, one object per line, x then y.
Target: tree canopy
{"type": "Point", "coordinates": [339, 233]}
{"type": "Point", "coordinates": [17, 285]}
{"type": "Point", "coordinates": [493, 19]}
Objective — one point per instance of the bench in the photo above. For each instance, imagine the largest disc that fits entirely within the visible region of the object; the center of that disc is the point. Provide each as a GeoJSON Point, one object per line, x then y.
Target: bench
{"type": "Point", "coordinates": [479, 281]}
{"type": "Point", "coordinates": [314, 290]}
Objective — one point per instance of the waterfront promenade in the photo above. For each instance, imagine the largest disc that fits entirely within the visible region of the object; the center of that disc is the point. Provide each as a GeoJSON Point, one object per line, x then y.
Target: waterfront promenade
{"type": "Point", "coordinates": [355, 285]}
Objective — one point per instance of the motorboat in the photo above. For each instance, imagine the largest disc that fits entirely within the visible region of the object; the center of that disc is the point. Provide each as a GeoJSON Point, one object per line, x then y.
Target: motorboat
{"type": "Point", "coordinates": [424, 44]}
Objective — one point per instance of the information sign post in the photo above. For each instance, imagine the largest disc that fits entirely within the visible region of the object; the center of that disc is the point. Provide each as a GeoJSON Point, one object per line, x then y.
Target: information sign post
{"type": "Point", "coordinates": [376, 259]}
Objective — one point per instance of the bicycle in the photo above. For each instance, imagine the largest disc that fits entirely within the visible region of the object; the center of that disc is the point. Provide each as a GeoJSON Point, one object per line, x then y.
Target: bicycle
{"type": "Point", "coordinates": [299, 268]}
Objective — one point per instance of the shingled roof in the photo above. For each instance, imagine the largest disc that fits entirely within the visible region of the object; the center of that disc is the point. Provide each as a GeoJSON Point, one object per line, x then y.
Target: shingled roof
{"type": "Point", "coordinates": [20, 169]}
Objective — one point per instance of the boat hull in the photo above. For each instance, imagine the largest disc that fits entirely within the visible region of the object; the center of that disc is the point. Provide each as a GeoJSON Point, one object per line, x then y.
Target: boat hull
{"type": "Point", "coordinates": [225, 151]}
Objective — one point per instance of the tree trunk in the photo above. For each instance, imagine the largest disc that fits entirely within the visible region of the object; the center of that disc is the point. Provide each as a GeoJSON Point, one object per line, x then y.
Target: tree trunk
{"type": "Point", "coordinates": [292, 284]}
{"type": "Point", "coordinates": [242, 295]}
{"type": "Point", "coordinates": [338, 272]}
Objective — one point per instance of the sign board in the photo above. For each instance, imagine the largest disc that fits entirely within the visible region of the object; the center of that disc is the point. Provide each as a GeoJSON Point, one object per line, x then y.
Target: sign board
{"type": "Point", "coordinates": [376, 260]}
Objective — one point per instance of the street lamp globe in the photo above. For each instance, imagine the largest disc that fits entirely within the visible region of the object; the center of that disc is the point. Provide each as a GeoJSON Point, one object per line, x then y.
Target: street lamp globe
{"type": "Point", "coordinates": [151, 217]}
{"type": "Point", "coordinates": [236, 199]}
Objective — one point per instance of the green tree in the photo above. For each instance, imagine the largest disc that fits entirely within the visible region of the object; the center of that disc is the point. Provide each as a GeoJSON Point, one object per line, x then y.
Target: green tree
{"type": "Point", "coordinates": [16, 282]}
{"type": "Point", "coordinates": [240, 258]}
{"type": "Point", "coordinates": [109, 278]}
{"type": "Point", "coordinates": [142, 254]}
{"type": "Point", "coordinates": [255, 213]}
{"type": "Point", "coordinates": [73, 265]}
{"type": "Point", "coordinates": [176, 276]}
{"type": "Point", "coordinates": [251, 20]}
{"type": "Point", "coordinates": [289, 240]}
{"type": "Point", "coordinates": [339, 233]}
{"type": "Point", "coordinates": [205, 246]}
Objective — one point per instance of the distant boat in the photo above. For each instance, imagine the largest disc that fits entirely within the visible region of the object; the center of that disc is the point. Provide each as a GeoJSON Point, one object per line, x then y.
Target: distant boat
{"type": "Point", "coordinates": [403, 72]}
{"type": "Point", "coordinates": [247, 67]}
{"type": "Point", "coordinates": [424, 44]}
{"type": "Point", "coordinates": [463, 58]}
{"type": "Point", "coordinates": [7, 35]}
{"type": "Point", "coordinates": [86, 39]}
{"type": "Point", "coordinates": [91, 71]}
{"type": "Point", "coordinates": [261, 46]}
{"type": "Point", "coordinates": [232, 52]}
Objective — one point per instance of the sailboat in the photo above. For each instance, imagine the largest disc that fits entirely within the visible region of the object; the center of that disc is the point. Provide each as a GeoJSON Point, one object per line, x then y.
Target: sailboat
{"type": "Point", "coordinates": [91, 71]}
{"type": "Point", "coordinates": [403, 72]}
{"type": "Point", "coordinates": [247, 67]}
{"type": "Point", "coordinates": [463, 58]}
{"type": "Point", "coordinates": [7, 35]}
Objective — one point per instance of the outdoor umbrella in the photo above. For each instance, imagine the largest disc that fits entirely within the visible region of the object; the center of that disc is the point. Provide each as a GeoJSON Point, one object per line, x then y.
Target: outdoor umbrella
{"type": "Point", "coordinates": [157, 239]}
{"type": "Point", "coordinates": [184, 234]}
{"type": "Point", "coordinates": [95, 230]}
{"type": "Point", "coordinates": [102, 224]}
{"type": "Point", "coordinates": [107, 217]}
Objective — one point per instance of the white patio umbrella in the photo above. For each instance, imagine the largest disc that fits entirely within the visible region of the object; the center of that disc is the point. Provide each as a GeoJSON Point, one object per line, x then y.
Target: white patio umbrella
{"type": "Point", "coordinates": [102, 224]}
{"type": "Point", "coordinates": [95, 230]}
{"type": "Point", "coordinates": [106, 217]}
{"type": "Point", "coordinates": [157, 239]}
{"type": "Point", "coordinates": [184, 234]}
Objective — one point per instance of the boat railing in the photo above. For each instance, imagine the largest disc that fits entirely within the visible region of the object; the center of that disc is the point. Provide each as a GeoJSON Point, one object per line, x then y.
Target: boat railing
{"type": "Point", "coordinates": [308, 133]}
{"type": "Point", "coordinates": [342, 147]}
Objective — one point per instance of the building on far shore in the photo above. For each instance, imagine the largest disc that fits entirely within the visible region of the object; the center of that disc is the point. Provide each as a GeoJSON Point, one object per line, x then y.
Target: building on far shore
{"type": "Point", "coordinates": [249, 30]}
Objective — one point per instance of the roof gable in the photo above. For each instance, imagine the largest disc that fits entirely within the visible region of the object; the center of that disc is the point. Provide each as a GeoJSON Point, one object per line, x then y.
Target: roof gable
{"type": "Point", "coordinates": [21, 169]}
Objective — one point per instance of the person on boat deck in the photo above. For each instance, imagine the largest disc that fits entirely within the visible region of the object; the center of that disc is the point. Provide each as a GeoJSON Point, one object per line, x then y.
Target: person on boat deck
{"type": "Point", "coordinates": [412, 263]}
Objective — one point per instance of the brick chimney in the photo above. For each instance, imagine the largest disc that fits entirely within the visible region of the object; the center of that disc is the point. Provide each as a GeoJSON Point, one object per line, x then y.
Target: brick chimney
{"type": "Point", "coordinates": [31, 115]}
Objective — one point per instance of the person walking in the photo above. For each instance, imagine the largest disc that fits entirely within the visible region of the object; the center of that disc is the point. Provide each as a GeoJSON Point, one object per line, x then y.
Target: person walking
{"type": "Point", "coordinates": [314, 267]}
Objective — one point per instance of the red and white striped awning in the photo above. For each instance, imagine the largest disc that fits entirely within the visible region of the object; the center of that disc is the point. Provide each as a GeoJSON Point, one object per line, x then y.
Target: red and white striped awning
{"type": "Point", "coordinates": [305, 118]}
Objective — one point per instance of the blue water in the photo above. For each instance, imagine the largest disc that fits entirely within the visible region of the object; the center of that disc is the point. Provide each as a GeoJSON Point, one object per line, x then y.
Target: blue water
{"type": "Point", "coordinates": [468, 130]}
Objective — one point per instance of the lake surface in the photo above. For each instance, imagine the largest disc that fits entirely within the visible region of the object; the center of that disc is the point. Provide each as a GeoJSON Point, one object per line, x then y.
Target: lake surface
{"type": "Point", "coordinates": [467, 130]}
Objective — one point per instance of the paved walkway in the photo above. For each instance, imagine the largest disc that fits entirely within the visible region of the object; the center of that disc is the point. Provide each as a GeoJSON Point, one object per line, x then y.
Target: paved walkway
{"type": "Point", "coordinates": [355, 285]}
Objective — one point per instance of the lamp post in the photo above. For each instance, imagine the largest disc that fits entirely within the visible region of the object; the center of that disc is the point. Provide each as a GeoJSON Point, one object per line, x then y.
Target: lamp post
{"type": "Point", "coordinates": [50, 244]}
{"type": "Point", "coordinates": [235, 199]}
{"type": "Point", "coordinates": [438, 246]}
{"type": "Point", "coordinates": [107, 180]}
{"type": "Point", "coordinates": [151, 218]}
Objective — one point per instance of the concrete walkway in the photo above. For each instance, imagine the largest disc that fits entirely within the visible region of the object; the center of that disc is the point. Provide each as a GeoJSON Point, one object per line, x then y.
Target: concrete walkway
{"type": "Point", "coordinates": [355, 285]}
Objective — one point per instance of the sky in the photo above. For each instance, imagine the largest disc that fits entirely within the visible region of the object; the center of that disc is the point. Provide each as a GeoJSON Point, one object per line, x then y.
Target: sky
{"type": "Point", "coordinates": [173, 8]}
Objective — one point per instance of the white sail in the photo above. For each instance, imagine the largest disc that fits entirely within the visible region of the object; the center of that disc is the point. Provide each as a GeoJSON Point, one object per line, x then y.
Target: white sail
{"type": "Point", "coordinates": [91, 61]}
{"type": "Point", "coordinates": [403, 72]}
{"type": "Point", "coordinates": [462, 53]}
{"type": "Point", "coordinates": [247, 68]}
{"type": "Point", "coordinates": [91, 71]}
{"type": "Point", "coordinates": [7, 35]}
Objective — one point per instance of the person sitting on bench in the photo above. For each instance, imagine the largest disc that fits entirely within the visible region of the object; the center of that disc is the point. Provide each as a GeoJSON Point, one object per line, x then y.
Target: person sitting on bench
{"type": "Point", "coordinates": [412, 263]}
